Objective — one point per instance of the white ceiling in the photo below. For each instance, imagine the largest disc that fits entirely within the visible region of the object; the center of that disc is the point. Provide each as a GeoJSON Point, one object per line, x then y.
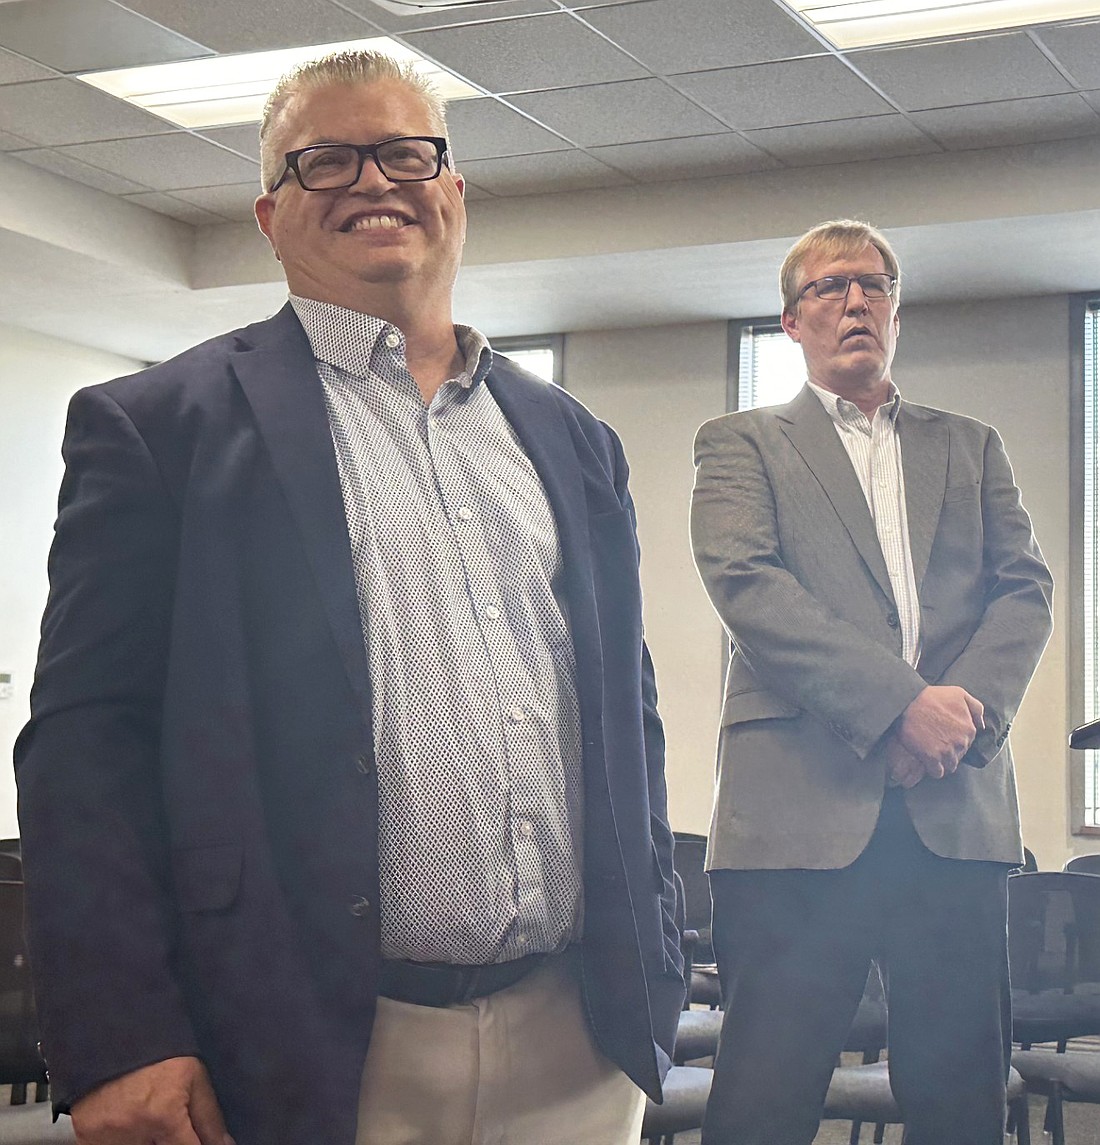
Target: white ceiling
{"type": "Point", "coordinates": [980, 156]}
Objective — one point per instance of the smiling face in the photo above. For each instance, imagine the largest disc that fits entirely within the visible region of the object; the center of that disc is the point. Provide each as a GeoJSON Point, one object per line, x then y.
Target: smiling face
{"type": "Point", "coordinates": [361, 246]}
{"type": "Point", "coordinates": [848, 343]}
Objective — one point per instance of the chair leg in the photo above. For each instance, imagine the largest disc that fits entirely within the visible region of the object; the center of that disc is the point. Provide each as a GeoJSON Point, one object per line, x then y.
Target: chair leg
{"type": "Point", "coordinates": [1022, 1120]}
{"type": "Point", "coordinates": [1054, 1114]}
{"type": "Point", "coordinates": [853, 1137]}
{"type": "Point", "coordinates": [41, 1091]}
{"type": "Point", "coordinates": [19, 1093]}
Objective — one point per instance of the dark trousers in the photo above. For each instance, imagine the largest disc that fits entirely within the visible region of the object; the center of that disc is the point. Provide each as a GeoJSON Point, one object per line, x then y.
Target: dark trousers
{"type": "Point", "coordinates": [794, 948]}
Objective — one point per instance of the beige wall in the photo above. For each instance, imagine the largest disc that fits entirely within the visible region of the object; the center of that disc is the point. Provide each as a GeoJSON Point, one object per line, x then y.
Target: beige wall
{"type": "Point", "coordinates": [1006, 362]}
{"type": "Point", "coordinates": [37, 377]}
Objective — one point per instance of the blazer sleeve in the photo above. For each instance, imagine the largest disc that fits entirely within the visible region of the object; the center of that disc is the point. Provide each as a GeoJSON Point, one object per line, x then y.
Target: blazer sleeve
{"type": "Point", "coordinates": [654, 738]}
{"type": "Point", "coordinates": [1003, 652]}
{"type": "Point", "coordinates": [99, 920]}
{"type": "Point", "coordinates": [795, 646]}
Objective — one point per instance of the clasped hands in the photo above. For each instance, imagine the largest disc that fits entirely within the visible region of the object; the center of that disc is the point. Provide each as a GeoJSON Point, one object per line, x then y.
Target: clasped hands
{"type": "Point", "coordinates": [933, 734]}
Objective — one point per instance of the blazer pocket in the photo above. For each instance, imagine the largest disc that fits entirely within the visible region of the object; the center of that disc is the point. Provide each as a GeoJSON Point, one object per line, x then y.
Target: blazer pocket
{"type": "Point", "coordinates": [742, 707]}
{"type": "Point", "coordinates": [968, 492]}
{"type": "Point", "coordinates": [207, 878]}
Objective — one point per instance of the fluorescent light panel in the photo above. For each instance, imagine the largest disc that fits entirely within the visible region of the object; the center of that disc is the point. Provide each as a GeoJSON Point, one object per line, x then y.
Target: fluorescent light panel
{"type": "Point", "coordinates": [862, 23]}
{"type": "Point", "coordinates": [219, 90]}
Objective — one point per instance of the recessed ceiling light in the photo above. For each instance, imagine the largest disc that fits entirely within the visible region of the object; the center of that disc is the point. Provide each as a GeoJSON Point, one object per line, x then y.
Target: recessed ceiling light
{"type": "Point", "coordinates": [219, 90]}
{"type": "Point", "coordinates": [861, 23]}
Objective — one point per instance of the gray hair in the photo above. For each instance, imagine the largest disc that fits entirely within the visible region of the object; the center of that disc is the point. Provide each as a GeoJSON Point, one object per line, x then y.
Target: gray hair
{"type": "Point", "coordinates": [337, 68]}
{"type": "Point", "coordinates": [834, 239]}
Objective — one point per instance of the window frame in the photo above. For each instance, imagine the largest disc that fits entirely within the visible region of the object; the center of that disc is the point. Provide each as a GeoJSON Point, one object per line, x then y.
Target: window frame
{"type": "Point", "coordinates": [555, 343]}
{"type": "Point", "coordinates": [1079, 305]}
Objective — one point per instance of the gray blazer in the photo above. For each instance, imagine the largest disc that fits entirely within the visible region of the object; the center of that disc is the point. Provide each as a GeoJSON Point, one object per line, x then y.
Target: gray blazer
{"type": "Point", "coordinates": [787, 549]}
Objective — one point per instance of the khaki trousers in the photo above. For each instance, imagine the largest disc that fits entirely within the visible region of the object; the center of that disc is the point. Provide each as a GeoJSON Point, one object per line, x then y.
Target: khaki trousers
{"type": "Point", "coordinates": [518, 1067]}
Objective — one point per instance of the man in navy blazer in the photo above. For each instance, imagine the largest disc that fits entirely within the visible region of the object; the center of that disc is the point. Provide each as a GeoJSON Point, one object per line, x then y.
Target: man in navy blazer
{"type": "Point", "coordinates": [207, 780]}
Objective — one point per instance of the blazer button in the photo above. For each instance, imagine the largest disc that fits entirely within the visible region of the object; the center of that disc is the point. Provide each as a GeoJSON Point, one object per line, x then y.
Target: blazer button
{"type": "Point", "coordinates": [360, 907]}
{"type": "Point", "coordinates": [362, 764]}
{"type": "Point", "coordinates": [892, 619]}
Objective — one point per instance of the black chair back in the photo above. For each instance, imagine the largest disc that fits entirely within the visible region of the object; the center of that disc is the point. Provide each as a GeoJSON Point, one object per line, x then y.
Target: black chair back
{"type": "Point", "coordinates": [688, 860]}
{"type": "Point", "coordinates": [20, 1061]}
{"type": "Point", "coordinates": [1083, 865]}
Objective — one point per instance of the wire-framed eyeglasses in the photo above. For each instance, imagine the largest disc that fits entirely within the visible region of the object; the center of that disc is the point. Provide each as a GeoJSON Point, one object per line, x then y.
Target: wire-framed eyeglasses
{"type": "Point", "coordinates": [330, 166]}
{"type": "Point", "coordinates": [836, 286]}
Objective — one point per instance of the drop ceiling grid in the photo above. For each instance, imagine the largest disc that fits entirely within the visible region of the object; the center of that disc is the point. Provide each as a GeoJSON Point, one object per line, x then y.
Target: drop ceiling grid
{"type": "Point", "coordinates": [579, 93]}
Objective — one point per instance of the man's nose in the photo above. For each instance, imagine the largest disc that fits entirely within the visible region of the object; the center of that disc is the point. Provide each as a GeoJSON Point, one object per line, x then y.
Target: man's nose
{"type": "Point", "coordinates": [371, 181]}
{"type": "Point", "coordinates": [856, 302]}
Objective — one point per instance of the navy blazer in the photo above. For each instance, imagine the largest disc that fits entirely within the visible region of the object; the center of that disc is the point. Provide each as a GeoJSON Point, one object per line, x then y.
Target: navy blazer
{"type": "Point", "coordinates": [197, 794]}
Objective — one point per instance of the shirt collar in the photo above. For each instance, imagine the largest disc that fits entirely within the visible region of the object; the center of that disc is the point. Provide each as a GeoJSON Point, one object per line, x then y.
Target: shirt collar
{"type": "Point", "coordinates": [844, 412]}
{"type": "Point", "coordinates": [349, 340]}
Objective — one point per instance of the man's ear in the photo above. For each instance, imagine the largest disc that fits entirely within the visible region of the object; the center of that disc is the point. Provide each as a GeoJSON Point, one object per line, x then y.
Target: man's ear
{"type": "Point", "coordinates": [460, 183]}
{"type": "Point", "coordinates": [264, 209]}
{"type": "Point", "coordinates": [789, 321]}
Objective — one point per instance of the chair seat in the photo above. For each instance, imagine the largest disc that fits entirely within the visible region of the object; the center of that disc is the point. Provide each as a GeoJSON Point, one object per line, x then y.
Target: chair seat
{"type": "Point", "coordinates": [697, 1034]}
{"type": "Point", "coordinates": [862, 1093]}
{"type": "Point", "coordinates": [686, 1090]}
{"type": "Point", "coordinates": [1077, 1071]}
{"type": "Point", "coordinates": [705, 987]}
{"type": "Point", "coordinates": [1052, 1015]}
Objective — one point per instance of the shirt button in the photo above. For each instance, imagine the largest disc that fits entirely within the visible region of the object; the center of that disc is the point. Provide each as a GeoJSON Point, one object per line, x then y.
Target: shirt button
{"type": "Point", "coordinates": [516, 714]}
{"type": "Point", "coordinates": [465, 513]}
{"type": "Point", "coordinates": [359, 907]}
{"type": "Point", "coordinates": [525, 827]}
{"type": "Point", "coordinates": [492, 612]}
{"type": "Point", "coordinates": [393, 340]}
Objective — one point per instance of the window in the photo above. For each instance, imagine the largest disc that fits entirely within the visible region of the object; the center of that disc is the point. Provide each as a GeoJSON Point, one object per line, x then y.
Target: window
{"type": "Point", "coordinates": [541, 355]}
{"type": "Point", "coordinates": [1086, 319]}
{"type": "Point", "coordinates": [770, 367]}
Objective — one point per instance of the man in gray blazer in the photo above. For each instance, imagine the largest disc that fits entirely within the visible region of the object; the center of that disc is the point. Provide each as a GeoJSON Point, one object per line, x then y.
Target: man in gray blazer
{"type": "Point", "coordinates": [887, 605]}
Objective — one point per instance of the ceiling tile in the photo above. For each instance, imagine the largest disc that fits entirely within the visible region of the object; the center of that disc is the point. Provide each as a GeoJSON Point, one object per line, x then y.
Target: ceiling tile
{"type": "Point", "coordinates": [255, 25]}
{"type": "Point", "coordinates": [244, 139]}
{"type": "Point", "coordinates": [175, 208]}
{"type": "Point", "coordinates": [538, 174]}
{"type": "Point", "coordinates": [627, 112]}
{"type": "Point", "coordinates": [1093, 98]}
{"type": "Point", "coordinates": [696, 35]}
{"type": "Point", "coordinates": [527, 54]}
{"type": "Point", "coordinates": [18, 69]}
{"type": "Point", "coordinates": [62, 164]}
{"type": "Point", "coordinates": [168, 162]}
{"type": "Point", "coordinates": [1009, 122]}
{"type": "Point", "coordinates": [1077, 49]}
{"type": "Point", "coordinates": [398, 22]}
{"type": "Point", "coordinates": [89, 35]}
{"type": "Point", "coordinates": [52, 112]}
{"type": "Point", "coordinates": [488, 129]}
{"type": "Point", "coordinates": [10, 142]}
{"type": "Point", "coordinates": [232, 201]}
{"type": "Point", "coordinates": [977, 70]}
{"type": "Point", "coordinates": [697, 158]}
{"type": "Point", "coordinates": [775, 95]}
{"type": "Point", "coordinates": [843, 141]}
{"type": "Point", "coordinates": [474, 194]}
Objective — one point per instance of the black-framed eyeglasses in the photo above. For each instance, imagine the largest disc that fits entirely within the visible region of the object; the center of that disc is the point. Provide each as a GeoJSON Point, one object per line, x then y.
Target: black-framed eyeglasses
{"type": "Point", "coordinates": [836, 286]}
{"type": "Point", "coordinates": [330, 166]}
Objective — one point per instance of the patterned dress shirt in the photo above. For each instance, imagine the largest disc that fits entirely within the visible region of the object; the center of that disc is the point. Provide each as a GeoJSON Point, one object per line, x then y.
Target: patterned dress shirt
{"type": "Point", "coordinates": [476, 725]}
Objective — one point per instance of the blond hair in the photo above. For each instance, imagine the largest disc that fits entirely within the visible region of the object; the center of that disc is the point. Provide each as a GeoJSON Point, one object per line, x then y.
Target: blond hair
{"type": "Point", "coordinates": [834, 239]}
{"type": "Point", "coordinates": [361, 67]}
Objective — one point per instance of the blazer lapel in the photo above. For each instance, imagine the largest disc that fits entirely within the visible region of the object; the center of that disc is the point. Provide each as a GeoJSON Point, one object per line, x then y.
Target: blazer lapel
{"type": "Point", "coordinates": [540, 425]}
{"type": "Point", "coordinates": [280, 381]}
{"type": "Point", "coordinates": [924, 455]}
{"type": "Point", "coordinates": [811, 431]}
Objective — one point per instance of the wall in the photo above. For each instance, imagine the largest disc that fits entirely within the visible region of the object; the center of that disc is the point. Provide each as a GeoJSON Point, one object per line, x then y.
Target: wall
{"type": "Point", "coordinates": [657, 386]}
{"type": "Point", "coordinates": [1005, 361]}
{"type": "Point", "coordinates": [37, 376]}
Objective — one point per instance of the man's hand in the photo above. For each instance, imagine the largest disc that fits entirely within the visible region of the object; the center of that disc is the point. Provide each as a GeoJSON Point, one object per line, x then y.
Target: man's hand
{"type": "Point", "coordinates": [939, 726]}
{"type": "Point", "coordinates": [902, 767]}
{"type": "Point", "coordinates": [170, 1102]}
